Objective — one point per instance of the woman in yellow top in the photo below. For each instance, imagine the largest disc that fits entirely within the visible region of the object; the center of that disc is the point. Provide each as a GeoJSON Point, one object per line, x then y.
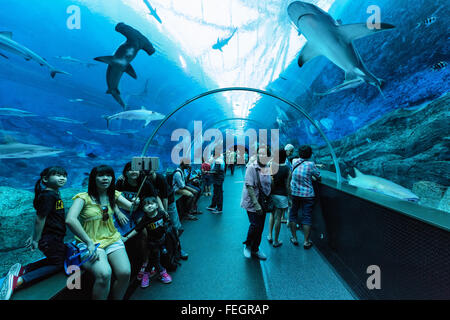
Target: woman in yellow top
{"type": "Point", "coordinates": [95, 209]}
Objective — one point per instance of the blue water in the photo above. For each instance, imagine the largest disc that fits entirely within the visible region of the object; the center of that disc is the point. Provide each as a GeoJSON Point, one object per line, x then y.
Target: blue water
{"type": "Point", "coordinates": [403, 57]}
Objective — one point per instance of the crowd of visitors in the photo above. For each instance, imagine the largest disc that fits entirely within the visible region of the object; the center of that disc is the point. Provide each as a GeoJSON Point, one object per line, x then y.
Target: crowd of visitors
{"type": "Point", "coordinates": [146, 206]}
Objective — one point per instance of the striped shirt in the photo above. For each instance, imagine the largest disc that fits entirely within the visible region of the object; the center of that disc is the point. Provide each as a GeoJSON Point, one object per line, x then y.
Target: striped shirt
{"type": "Point", "coordinates": [301, 183]}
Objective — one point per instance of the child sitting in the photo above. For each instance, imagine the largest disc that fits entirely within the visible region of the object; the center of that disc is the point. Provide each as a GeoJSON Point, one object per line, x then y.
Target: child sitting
{"type": "Point", "coordinates": [48, 233]}
{"type": "Point", "coordinates": [153, 221]}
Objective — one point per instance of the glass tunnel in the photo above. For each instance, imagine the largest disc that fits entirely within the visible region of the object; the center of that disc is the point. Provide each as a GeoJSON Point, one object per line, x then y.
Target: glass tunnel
{"type": "Point", "coordinates": [90, 85]}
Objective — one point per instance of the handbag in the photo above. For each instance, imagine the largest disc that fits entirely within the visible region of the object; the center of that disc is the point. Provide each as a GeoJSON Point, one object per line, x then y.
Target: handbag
{"type": "Point", "coordinates": [264, 200]}
{"type": "Point", "coordinates": [73, 256]}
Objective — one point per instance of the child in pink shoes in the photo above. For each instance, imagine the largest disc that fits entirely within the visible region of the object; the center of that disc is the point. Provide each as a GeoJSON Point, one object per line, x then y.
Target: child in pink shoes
{"type": "Point", "coordinates": [153, 222]}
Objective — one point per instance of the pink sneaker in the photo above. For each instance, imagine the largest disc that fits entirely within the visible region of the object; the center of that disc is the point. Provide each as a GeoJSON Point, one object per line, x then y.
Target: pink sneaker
{"type": "Point", "coordinates": [145, 280]}
{"type": "Point", "coordinates": [164, 277]}
{"type": "Point", "coordinates": [141, 272]}
{"type": "Point", "coordinates": [153, 272]}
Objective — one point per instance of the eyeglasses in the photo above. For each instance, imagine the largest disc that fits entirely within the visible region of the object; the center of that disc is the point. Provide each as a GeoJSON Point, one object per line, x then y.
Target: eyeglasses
{"type": "Point", "coordinates": [105, 213]}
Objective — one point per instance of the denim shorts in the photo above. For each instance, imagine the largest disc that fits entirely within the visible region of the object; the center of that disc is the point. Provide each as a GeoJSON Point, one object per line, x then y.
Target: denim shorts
{"type": "Point", "coordinates": [279, 201]}
{"type": "Point", "coordinates": [306, 206]}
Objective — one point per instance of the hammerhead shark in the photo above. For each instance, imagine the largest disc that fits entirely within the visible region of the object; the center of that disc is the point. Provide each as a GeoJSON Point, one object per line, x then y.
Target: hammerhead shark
{"type": "Point", "coordinates": [223, 42]}
{"type": "Point", "coordinates": [334, 40]}
{"type": "Point", "coordinates": [120, 62]}
{"type": "Point", "coordinates": [8, 44]}
{"type": "Point", "coordinates": [152, 11]}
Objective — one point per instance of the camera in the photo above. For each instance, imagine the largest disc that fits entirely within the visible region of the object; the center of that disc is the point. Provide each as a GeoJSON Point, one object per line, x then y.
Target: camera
{"type": "Point", "coordinates": [145, 164]}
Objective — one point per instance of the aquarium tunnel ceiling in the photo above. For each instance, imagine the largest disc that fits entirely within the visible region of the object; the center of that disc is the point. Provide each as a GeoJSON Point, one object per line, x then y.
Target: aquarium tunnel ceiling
{"type": "Point", "coordinates": [372, 75]}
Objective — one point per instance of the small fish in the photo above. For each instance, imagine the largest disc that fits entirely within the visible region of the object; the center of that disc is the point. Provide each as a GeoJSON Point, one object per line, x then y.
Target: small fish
{"type": "Point", "coordinates": [427, 22]}
{"type": "Point", "coordinates": [439, 66]}
{"type": "Point", "coordinates": [279, 121]}
{"type": "Point", "coordinates": [369, 140]}
{"type": "Point", "coordinates": [327, 123]}
{"type": "Point", "coordinates": [76, 100]}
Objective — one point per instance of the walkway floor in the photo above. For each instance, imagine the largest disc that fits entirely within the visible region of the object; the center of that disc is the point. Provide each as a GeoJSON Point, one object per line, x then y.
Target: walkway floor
{"type": "Point", "coordinates": [217, 270]}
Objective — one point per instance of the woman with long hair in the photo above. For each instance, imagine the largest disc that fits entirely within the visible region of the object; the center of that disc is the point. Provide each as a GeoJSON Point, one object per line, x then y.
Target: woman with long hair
{"type": "Point", "coordinates": [95, 208]}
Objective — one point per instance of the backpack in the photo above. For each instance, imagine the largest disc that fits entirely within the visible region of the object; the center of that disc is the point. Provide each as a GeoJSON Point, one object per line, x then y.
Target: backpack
{"type": "Point", "coordinates": [169, 176]}
{"type": "Point", "coordinates": [171, 251]}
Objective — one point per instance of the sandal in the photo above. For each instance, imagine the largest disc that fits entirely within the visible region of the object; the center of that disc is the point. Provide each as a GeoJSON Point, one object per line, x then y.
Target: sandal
{"type": "Point", "coordinates": [277, 244]}
{"type": "Point", "coordinates": [308, 245]}
{"type": "Point", "coordinates": [269, 239]}
{"type": "Point", "coordinates": [294, 242]}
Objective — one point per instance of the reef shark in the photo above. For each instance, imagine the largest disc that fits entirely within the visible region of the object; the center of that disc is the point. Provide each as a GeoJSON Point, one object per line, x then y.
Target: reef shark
{"type": "Point", "coordinates": [120, 62]}
{"type": "Point", "coordinates": [223, 42]}
{"type": "Point", "coordinates": [15, 150]}
{"type": "Point", "coordinates": [8, 44]}
{"type": "Point", "coordinates": [326, 37]}
{"type": "Point", "coordinates": [381, 185]}
{"type": "Point", "coordinates": [139, 114]}
{"type": "Point", "coordinates": [152, 11]}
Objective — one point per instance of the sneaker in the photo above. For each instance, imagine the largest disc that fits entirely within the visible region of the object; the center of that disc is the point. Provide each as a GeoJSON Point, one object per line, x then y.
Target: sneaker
{"type": "Point", "coordinates": [10, 282]}
{"type": "Point", "coordinates": [141, 272]}
{"type": "Point", "coordinates": [211, 208]}
{"type": "Point", "coordinates": [217, 211]}
{"type": "Point", "coordinates": [153, 272]}
{"type": "Point", "coordinates": [184, 255]}
{"type": "Point", "coordinates": [247, 252]}
{"type": "Point", "coordinates": [191, 217]}
{"type": "Point", "coordinates": [259, 255]}
{"type": "Point", "coordinates": [164, 277]}
{"type": "Point", "coordinates": [145, 280]}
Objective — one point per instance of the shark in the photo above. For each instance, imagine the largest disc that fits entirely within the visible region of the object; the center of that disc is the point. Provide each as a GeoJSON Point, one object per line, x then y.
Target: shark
{"type": "Point", "coordinates": [326, 37]}
{"type": "Point", "coordinates": [138, 114]}
{"type": "Point", "coordinates": [16, 150]}
{"type": "Point", "coordinates": [15, 112]}
{"type": "Point", "coordinates": [67, 120]}
{"type": "Point", "coordinates": [107, 132]}
{"type": "Point", "coordinates": [223, 42]}
{"type": "Point", "coordinates": [152, 11]}
{"type": "Point", "coordinates": [75, 60]}
{"type": "Point", "coordinates": [381, 185]}
{"type": "Point", "coordinates": [8, 44]}
{"type": "Point", "coordinates": [120, 61]}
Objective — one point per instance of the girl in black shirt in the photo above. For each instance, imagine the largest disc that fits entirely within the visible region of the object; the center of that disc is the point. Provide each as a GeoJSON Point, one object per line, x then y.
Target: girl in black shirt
{"type": "Point", "coordinates": [154, 223]}
{"type": "Point", "coordinates": [48, 233]}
